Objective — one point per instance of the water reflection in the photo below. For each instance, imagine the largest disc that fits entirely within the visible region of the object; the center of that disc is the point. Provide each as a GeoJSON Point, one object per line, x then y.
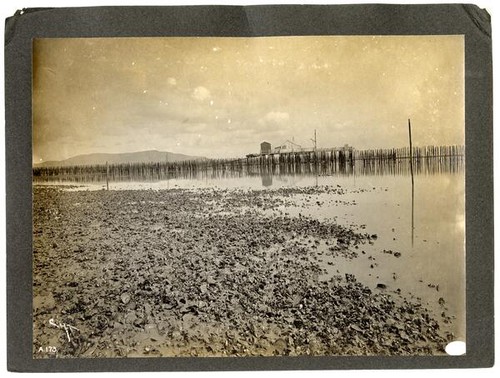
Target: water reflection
{"type": "Point", "coordinates": [267, 179]}
{"type": "Point", "coordinates": [412, 210]}
{"type": "Point", "coordinates": [268, 175]}
{"type": "Point", "coordinates": [267, 172]}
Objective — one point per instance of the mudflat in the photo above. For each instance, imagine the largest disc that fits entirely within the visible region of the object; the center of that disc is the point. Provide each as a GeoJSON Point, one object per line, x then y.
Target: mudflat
{"type": "Point", "coordinates": [209, 272]}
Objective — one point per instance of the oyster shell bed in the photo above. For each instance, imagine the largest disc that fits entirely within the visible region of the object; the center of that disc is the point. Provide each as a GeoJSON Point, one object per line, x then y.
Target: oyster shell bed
{"type": "Point", "coordinates": [207, 273]}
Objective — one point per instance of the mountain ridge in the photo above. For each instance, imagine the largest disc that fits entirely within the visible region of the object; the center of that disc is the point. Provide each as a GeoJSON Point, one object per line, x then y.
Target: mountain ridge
{"type": "Point", "coordinates": [148, 156]}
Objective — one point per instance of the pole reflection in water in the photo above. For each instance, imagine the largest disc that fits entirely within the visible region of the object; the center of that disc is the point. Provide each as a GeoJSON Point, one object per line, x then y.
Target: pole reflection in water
{"type": "Point", "coordinates": [267, 179]}
{"type": "Point", "coordinates": [401, 167]}
{"type": "Point", "coordinates": [412, 211]}
{"type": "Point", "coordinates": [412, 187]}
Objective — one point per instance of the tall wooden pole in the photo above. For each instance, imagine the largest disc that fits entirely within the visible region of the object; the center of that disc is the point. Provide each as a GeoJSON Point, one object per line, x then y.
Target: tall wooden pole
{"type": "Point", "coordinates": [411, 149]}
{"type": "Point", "coordinates": [107, 176]}
{"type": "Point", "coordinates": [412, 187]}
{"type": "Point", "coordinates": [314, 141]}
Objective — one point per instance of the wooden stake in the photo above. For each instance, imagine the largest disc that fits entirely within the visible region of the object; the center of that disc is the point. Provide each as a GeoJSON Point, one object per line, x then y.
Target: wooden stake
{"type": "Point", "coordinates": [412, 188]}
{"type": "Point", "coordinates": [411, 148]}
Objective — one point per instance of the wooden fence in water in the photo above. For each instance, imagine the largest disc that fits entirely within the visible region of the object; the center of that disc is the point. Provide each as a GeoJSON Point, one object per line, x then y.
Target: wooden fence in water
{"type": "Point", "coordinates": [404, 153]}
{"type": "Point", "coordinates": [341, 157]}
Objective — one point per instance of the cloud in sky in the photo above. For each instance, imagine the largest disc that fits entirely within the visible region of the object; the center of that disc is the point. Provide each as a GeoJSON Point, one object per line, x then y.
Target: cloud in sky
{"type": "Point", "coordinates": [201, 94]}
{"type": "Point", "coordinates": [276, 117]}
{"type": "Point", "coordinates": [220, 97]}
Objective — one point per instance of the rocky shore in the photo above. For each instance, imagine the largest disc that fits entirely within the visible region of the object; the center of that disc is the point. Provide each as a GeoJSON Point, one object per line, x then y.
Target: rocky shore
{"type": "Point", "coordinates": [207, 273]}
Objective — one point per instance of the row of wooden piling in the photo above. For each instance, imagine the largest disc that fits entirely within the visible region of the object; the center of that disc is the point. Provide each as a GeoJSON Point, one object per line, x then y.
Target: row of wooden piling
{"type": "Point", "coordinates": [292, 161]}
{"type": "Point", "coordinates": [400, 167]}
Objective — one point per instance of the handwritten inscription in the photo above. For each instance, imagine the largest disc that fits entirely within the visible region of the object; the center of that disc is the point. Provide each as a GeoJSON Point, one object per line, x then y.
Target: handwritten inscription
{"type": "Point", "coordinates": [66, 327]}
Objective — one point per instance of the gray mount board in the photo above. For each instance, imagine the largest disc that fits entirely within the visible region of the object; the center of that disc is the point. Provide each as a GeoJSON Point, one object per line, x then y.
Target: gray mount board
{"type": "Point", "coordinates": [282, 20]}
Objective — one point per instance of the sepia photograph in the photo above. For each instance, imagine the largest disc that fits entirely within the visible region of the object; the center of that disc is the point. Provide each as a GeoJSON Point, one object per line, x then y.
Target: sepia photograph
{"type": "Point", "coordinates": [248, 196]}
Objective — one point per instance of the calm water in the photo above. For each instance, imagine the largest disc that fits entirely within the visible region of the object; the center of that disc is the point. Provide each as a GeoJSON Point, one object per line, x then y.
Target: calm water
{"type": "Point", "coordinates": [425, 221]}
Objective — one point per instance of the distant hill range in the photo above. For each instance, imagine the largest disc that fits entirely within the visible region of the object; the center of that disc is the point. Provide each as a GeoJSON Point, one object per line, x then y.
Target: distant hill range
{"type": "Point", "coordinates": [125, 158]}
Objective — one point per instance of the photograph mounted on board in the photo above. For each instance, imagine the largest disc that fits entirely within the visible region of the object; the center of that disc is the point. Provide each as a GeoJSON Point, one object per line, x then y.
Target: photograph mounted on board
{"type": "Point", "coordinates": [249, 196]}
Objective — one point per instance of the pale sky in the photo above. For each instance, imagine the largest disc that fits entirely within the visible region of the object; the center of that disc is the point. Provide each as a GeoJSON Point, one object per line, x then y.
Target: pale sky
{"type": "Point", "coordinates": [221, 97]}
